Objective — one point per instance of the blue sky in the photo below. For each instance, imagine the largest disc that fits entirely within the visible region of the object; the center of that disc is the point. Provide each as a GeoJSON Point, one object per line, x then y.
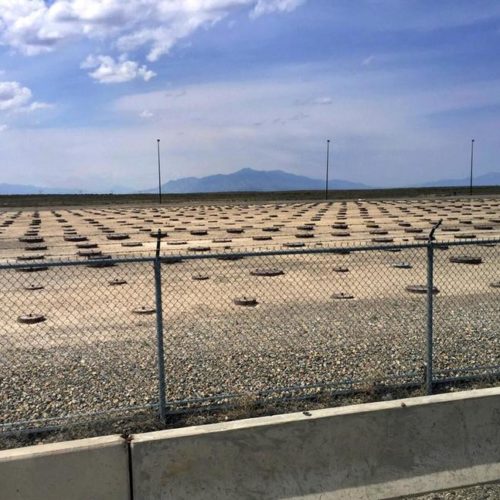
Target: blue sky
{"type": "Point", "coordinates": [399, 86]}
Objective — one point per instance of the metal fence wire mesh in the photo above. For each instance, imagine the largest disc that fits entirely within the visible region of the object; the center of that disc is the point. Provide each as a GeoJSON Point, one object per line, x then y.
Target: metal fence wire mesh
{"type": "Point", "coordinates": [81, 339]}
{"type": "Point", "coordinates": [467, 310]}
{"type": "Point", "coordinates": [90, 354]}
{"type": "Point", "coordinates": [283, 323]}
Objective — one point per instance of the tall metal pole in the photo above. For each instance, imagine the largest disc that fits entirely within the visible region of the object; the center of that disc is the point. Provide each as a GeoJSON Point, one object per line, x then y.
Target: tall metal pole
{"type": "Point", "coordinates": [471, 164]}
{"type": "Point", "coordinates": [159, 170]}
{"type": "Point", "coordinates": [327, 166]}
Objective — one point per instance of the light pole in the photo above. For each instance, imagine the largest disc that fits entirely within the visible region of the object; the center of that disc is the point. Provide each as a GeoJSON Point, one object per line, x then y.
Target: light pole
{"type": "Point", "coordinates": [159, 171]}
{"type": "Point", "coordinates": [327, 165]}
{"type": "Point", "coordinates": [471, 164]}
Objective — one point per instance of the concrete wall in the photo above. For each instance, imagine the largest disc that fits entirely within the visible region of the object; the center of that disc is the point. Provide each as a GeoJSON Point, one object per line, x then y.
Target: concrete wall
{"type": "Point", "coordinates": [378, 450]}
{"type": "Point", "coordinates": [87, 469]}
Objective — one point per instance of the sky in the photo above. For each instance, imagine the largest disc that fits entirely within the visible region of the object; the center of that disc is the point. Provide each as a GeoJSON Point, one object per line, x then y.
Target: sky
{"type": "Point", "coordinates": [400, 87]}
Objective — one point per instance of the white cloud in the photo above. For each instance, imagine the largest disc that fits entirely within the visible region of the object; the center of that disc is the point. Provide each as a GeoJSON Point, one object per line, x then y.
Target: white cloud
{"type": "Point", "coordinates": [145, 113]}
{"type": "Point", "coordinates": [314, 101]}
{"type": "Point", "coordinates": [34, 26]}
{"type": "Point", "coordinates": [36, 105]}
{"type": "Point", "coordinates": [3, 127]}
{"type": "Point", "coordinates": [107, 70]}
{"type": "Point", "coordinates": [13, 96]}
{"type": "Point", "coordinates": [322, 101]}
{"type": "Point", "coordinates": [268, 6]}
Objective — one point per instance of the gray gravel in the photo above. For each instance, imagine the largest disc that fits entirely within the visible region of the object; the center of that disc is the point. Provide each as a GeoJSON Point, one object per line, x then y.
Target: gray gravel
{"type": "Point", "coordinates": [245, 351]}
{"type": "Point", "coordinates": [484, 492]}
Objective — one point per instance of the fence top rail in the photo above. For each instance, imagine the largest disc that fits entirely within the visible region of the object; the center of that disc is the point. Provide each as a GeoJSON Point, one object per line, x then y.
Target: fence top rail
{"type": "Point", "coordinates": [251, 253]}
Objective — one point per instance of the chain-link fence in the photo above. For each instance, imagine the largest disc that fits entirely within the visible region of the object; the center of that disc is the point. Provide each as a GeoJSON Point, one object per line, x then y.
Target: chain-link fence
{"type": "Point", "coordinates": [160, 336]}
{"type": "Point", "coordinates": [72, 342]}
{"type": "Point", "coordinates": [467, 310]}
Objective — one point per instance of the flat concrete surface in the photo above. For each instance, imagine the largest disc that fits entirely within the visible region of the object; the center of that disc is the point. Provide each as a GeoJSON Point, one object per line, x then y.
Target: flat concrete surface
{"type": "Point", "coordinates": [376, 450]}
{"type": "Point", "coordinates": [95, 468]}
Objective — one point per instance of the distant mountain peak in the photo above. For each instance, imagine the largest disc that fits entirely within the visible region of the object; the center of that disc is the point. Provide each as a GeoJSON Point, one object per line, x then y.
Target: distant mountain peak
{"type": "Point", "coordinates": [249, 179]}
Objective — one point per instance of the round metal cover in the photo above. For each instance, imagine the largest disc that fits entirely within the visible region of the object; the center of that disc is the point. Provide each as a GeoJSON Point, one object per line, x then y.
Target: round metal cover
{"type": "Point", "coordinates": [31, 319]}
{"type": "Point", "coordinates": [245, 301]}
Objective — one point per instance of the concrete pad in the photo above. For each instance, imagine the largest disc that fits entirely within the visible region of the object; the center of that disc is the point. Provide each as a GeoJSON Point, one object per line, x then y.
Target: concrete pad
{"type": "Point", "coordinates": [377, 450]}
{"type": "Point", "coordinates": [95, 468]}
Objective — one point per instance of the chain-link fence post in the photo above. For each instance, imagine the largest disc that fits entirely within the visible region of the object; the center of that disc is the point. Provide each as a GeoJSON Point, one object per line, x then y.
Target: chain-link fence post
{"type": "Point", "coordinates": [430, 309]}
{"type": "Point", "coordinates": [159, 332]}
{"type": "Point", "coordinates": [430, 299]}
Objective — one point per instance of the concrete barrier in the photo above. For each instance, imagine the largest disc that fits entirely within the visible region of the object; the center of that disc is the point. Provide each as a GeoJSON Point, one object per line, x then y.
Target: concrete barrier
{"type": "Point", "coordinates": [95, 468]}
{"type": "Point", "coordinates": [377, 450]}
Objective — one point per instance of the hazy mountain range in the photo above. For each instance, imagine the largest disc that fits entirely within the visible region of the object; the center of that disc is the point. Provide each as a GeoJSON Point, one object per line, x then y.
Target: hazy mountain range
{"type": "Point", "coordinates": [247, 179]}
{"type": "Point", "coordinates": [26, 189]}
{"type": "Point", "coordinates": [489, 179]}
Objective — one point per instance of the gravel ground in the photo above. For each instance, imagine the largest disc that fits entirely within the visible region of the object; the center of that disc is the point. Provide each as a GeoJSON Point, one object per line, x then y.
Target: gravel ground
{"type": "Point", "coordinates": [243, 351]}
{"type": "Point", "coordinates": [485, 492]}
